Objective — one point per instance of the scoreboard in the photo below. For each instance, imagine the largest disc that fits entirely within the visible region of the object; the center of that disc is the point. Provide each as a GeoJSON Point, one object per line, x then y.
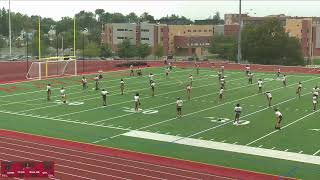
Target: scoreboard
{"type": "Point", "coordinates": [21, 169]}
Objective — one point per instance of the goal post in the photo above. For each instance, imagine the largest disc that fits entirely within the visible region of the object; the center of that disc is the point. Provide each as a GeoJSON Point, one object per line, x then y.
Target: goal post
{"type": "Point", "coordinates": [52, 67]}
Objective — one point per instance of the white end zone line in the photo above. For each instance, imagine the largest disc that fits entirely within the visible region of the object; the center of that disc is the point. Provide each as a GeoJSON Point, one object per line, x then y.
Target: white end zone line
{"type": "Point", "coordinates": [314, 112]}
{"type": "Point", "coordinates": [291, 156]}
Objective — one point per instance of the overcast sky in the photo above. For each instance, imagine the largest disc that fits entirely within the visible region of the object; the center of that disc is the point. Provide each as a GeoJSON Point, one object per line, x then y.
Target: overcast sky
{"type": "Point", "coordinates": [191, 9]}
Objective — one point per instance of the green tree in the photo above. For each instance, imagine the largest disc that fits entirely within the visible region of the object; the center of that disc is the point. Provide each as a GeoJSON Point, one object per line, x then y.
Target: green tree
{"type": "Point", "coordinates": [105, 51]}
{"type": "Point", "coordinates": [159, 52]}
{"type": "Point", "coordinates": [44, 45]}
{"type": "Point", "coordinates": [147, 17]}
{"type": "Point", "coordinates": [225, 47]}
{"type": "Point", "coordinates": [268, 43]}
{"type": "Point", "coordinates": [126, 50]}
{"type": "Point", "coordinates": [143, 50]}
{"type": "Point", "coordinates": [132, 17]}
{"type": "Point", "coordinates": [92, 50]}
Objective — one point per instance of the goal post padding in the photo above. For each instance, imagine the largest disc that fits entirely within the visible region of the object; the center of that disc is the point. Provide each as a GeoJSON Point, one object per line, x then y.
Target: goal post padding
{"type": "Point", "coordinates": [52, 68]}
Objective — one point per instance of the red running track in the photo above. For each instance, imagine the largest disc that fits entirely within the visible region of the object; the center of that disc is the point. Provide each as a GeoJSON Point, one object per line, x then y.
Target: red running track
{"type": "Point", "coordinates": [74, 160]}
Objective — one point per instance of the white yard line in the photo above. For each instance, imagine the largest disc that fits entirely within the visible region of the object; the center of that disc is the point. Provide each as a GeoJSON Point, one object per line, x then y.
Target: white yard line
{"type": "Point", "coordinates": [171, 119]}
{"type": "Point", "coordinates": [298, 157]}
{"type": "Point", "coordinates": [258, 139]}
{"type": "Point", "coordinates": [316, 152]}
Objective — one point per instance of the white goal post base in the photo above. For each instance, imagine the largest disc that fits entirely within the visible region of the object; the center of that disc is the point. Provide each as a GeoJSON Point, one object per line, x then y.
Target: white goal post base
{"type": "Point", "coordinates": [52, 68]}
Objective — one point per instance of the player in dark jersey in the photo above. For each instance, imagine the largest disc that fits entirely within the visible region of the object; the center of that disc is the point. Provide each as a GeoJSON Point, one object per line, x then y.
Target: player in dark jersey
{"type": "Point", "coordinates": [139, 71]}
{"type": "Point", "coordinates": [279, 72]}
{"type": "Point", "coordinates": [100, 74]}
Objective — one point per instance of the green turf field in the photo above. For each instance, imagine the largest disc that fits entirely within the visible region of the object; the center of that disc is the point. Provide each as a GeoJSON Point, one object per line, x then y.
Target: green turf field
{"type": "Point", "coordinates": [205, 133]}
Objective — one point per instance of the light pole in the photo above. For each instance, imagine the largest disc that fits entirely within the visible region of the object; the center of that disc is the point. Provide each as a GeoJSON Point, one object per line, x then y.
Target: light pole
{"type": "Point", "coordinates": [84, 32]}
{"type": "Point", "coordinates": [239, 35]}
{"type": "Point", "coordinates": [10, 29]}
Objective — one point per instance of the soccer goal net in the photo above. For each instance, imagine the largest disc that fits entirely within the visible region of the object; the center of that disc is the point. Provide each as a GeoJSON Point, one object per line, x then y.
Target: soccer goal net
{"type": "Point", "coordinates": [52, 67]}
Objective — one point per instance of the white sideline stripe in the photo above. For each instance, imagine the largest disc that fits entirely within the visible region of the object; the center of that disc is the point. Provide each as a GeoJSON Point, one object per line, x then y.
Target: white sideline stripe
{"type": "Point", "coordinates": [168, 120]}
{"type": "Point", "coordinates": [291, 156]}
{"type": "Point", "coordinates": [96, 97]}
{"type": "Point", "coordinates": [62, 120]}
{"type": "Point", "coordinates": [282, 127]}
{"type": "Point", "coordinates": [109, 87]}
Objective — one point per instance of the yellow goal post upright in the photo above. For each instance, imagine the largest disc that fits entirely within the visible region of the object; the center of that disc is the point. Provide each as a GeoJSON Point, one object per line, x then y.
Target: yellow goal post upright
{"type": "Point", "coordinates": [53, 66]}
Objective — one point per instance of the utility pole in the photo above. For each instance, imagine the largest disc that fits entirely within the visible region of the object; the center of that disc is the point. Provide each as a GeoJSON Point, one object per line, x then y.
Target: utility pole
{"type": "Point", "coordinates": [239, 35]}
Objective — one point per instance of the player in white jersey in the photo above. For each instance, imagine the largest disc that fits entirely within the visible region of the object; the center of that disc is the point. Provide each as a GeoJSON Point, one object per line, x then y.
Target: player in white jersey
{"type": "Point", "coordinates": [63, 95]}
{"type": "Point", "coordinates": [197, 68]}
{"type": "Point", "coordinates": [104, 97]}
{"type": "Point", "coordinates": [278, 119]}
{"type": "Point", "coordinates": [189, 91]}
{"type": "Point", "coordinates": [247, 69]}
{"type": "Point", "coordinates": [284, 80]}
{"type": "Point", "coordinates": [131, 70]}
{"type": "Point", "coordinates": [299, 89]}
{"type": "Point", "coordinates": [100, 74]}
{"type": "Point", "coordinates": [167, 70]}
{"type": "Point", "coordinates": [279, 72]}
{"type": "Point", "coordinates": [190, 79]}
{"type": "Point", "coordinates": [137, 103]}
{"type": "Point", "coordinates": [237, 110]}
{"type": "Point", "coordinates": [269, 98]}
{"type": "Point", "coordinates": [219, 75]}
{"type": "Point", "coordinates": [260, 82]}
{"type": "Point", "coordinates": [314, 102]}
{"type": "Point", "coordinates": [250, 77]}
{"type": "Point", "coordinates": [152, 85]}
{"type": "Point", "coordinates": [121, 86]}
{"type": "Point", "coordinates": [150, 78]}
{"type": "Point", "coordinates": [84, 83]}
{"type": "Point", "coordinates": [223, 82]}
{"type": "Point", "coordinates": [222, 69]}
{"type": "Point", "coordinates": [221, 91]}
{"type": "Point", "coordinates": [49, 92]}
{"type": "Point", "coordinates": [96, 79]}
{"type": "Point", "coordinates": [179, 104]}
{"type": "Point", "coordinates": [315, 91]}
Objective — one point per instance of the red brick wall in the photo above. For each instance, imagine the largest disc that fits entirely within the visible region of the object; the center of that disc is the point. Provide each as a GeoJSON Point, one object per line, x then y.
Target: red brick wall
{"type": "Point", "coordinates": [231, 30]}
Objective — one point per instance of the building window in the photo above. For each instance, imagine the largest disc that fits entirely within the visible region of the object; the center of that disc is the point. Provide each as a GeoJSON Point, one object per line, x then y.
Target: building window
{"type": "Point", "coordinates": [120, 29]}
{"type": "Point", "coordinates": [199, 30]}
{"type": "Point", "coordinates": [194, 30]}
{"type": "Point", "coordinates": [121, 37]}
{"type": "Point", "coordinates": [144, 30]}
{"type": "Point", "coordinates": [189, 30]}
{"type": "Point", "coordinates": [146, 39]}
{"type": "Point", "coordinates": [205, 30]}
{"type": "Point", "coordinates": [210, 30]}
